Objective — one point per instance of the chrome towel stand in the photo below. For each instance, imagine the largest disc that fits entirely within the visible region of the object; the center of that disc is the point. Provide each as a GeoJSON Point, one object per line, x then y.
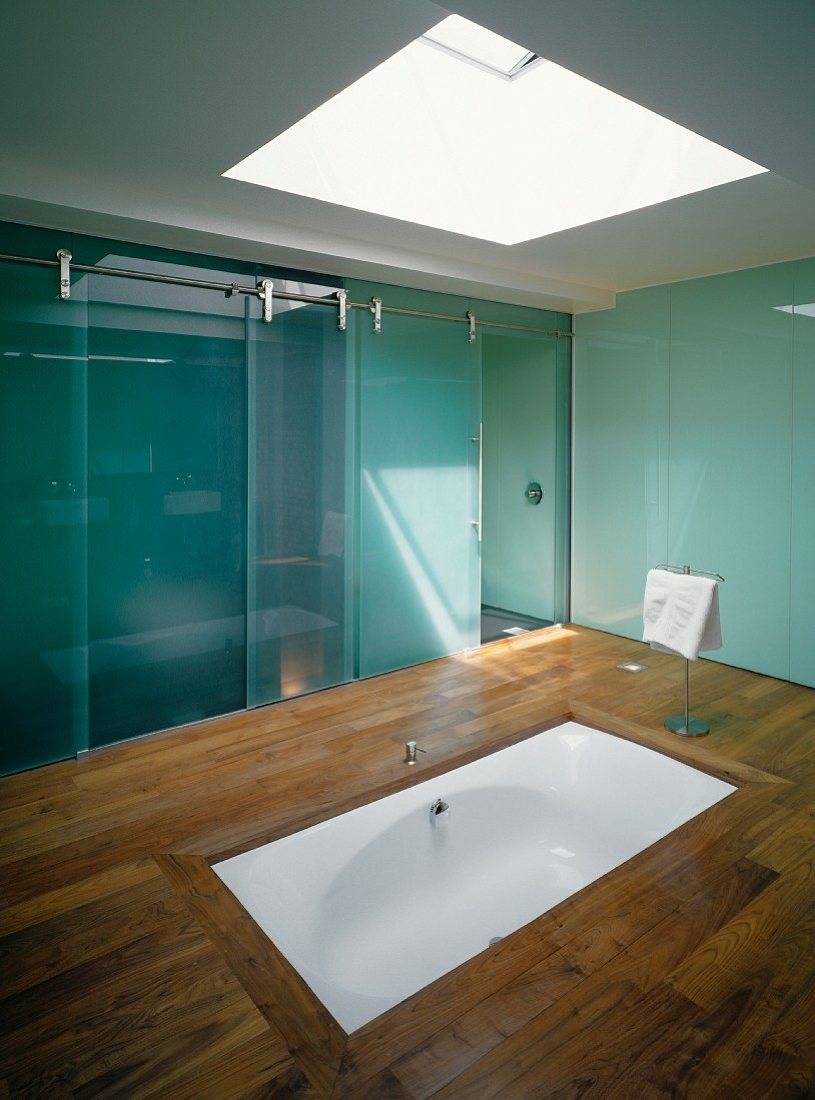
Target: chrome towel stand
{"type": "Point", "coordinates": [683, 723]}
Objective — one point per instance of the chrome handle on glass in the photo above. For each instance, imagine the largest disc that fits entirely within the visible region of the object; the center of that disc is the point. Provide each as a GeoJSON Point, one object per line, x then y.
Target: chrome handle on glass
{"type": "Point", "coordinates": [479, 439]}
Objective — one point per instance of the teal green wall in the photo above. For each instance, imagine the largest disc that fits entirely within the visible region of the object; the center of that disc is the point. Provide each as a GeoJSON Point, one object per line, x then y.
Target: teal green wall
{"type": "Point", "coordinates": [619, 506]}
{"type": "Point", "coordinates": [694, 406]}
{"type": "Point", "coordinates": [802, 527]}
{"type": "Point", "coordinates": [188, 528]}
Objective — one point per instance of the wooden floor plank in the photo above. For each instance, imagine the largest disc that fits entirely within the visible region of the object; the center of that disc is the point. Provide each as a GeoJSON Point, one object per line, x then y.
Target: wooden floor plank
{"type": "Point", "coordinates": [42, 951]}
{"type": "Point", "coordinates": [229, 1072]}
{"type": "Point", "coordinates": [753, 934]}
{"type": "Point", "coordinates": [51, 1015]}
{"type": "Point", "coordinates": [590, 1060]}
{"type": "Point", "coordinates": [37, 907]}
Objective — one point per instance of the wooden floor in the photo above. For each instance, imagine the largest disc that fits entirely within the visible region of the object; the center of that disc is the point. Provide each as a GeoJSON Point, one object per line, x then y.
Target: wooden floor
{"type": "Point", "coordinates": [689, 971]}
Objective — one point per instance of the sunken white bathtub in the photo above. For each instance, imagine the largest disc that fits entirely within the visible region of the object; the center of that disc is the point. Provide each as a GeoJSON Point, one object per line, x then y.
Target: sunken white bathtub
{"type": "Point", "coordinates": [374, 904]}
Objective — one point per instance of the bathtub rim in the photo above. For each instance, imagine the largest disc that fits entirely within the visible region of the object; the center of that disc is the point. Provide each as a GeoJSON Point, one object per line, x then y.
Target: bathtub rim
{"type": "Point", "coordinates": [334, 1060]}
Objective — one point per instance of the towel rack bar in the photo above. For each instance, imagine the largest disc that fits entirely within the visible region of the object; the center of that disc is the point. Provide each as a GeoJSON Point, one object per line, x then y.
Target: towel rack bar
{"type": "Point", "coordinates": [689, 569]}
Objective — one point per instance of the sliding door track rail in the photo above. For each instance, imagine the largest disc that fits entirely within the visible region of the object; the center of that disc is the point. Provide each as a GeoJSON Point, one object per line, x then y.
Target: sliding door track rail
{"type": "Point", "coordinates": [338, 300]}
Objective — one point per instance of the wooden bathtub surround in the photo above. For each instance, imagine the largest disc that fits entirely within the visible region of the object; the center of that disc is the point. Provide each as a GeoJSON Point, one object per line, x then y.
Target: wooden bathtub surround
{"type": "Point", "coordinates": [128, 969]}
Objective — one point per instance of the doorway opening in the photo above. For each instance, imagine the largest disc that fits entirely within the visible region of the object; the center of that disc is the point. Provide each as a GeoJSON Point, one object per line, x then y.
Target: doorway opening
{"type": "Point", "coordinates": [520, 499]}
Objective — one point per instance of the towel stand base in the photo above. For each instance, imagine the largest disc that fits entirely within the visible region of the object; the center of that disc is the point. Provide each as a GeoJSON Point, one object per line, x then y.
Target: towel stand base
{"type": "Point", "coordinates": [687, 727]}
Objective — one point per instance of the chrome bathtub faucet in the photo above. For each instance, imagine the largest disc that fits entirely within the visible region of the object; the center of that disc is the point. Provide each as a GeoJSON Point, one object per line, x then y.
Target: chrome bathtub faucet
{"type": "Point", "coordinates": [411, 748]}
{"type": "Point", "coordinates": [439, 809]}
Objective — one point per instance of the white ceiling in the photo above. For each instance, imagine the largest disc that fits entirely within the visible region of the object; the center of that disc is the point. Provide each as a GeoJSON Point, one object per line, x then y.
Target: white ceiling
{"type": "Point", "coordinates": [122, 124]}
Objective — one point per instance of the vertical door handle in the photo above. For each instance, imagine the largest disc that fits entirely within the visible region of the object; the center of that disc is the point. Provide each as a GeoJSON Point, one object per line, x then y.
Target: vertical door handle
{"type": "Point", "coordinates": [479, 439]}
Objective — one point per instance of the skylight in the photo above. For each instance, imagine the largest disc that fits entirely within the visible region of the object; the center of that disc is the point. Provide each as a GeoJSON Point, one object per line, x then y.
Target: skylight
{"type": "Point", "coordinates": [429, 139]}
{"type": "Point", "coordinates": [483, 47]}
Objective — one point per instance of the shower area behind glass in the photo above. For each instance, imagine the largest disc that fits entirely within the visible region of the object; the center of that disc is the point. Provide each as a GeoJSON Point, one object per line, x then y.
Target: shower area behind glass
{"type": "Point", "coordinates": [525, 440]}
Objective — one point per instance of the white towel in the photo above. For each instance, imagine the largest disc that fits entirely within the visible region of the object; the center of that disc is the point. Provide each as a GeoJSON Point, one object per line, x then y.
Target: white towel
{"type": "Point", "coordinates": [681, 613]}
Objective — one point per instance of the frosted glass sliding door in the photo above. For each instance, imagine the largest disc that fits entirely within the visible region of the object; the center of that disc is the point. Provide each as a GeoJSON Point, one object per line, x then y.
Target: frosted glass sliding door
{"type": "Point", "coordinates": [300, 493]}
{"type": "Point", "coordinates": [43, 509]}
{"type": "Point", "coordinates": [419, 553]}
{"type": "Point", "coordinates": [166, 518]}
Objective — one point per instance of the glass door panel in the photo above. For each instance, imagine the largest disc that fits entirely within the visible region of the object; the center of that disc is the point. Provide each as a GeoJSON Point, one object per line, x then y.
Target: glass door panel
{"type": "Point", "coordinates": [419, 551]}
{"type": "Point", "coordinates": [300, 494]}
{"type": "Point", "coordinates": [43, 510]}
{"type": "Point", "coordinates": [167, 520]}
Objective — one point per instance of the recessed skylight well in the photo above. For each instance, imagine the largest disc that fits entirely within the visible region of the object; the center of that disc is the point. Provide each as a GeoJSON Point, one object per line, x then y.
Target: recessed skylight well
{"type": "Point", "coordinates": [442, 134]}
{"type": "Point", "coordinates": [469, 42]}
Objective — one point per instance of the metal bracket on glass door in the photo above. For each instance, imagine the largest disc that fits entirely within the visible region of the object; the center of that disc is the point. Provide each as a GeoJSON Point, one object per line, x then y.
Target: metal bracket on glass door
{"type": "Point", "coordinates": [266, 295]}
{"type": "Point", "coordinates": [64, 257]}
{"type": "Point", "coordinates": [471, 322]}
{"type": "Point", "coordinates": [479, 439]}
{"type": "Point", "coordinates": [376, 309]}
{"type": "Point", "coordinates": [342, 310]}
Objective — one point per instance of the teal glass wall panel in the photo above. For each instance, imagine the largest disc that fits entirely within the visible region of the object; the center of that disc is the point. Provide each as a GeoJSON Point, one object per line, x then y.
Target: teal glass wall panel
{"type": "Point", "coordinates": [300, 625]}
{"type": "Point", "coordinates": [520, 421]}
{"type": "Point", "coordinates": [620, 459]}
{"type": "Point", "coordinates": [737, 459]}
{"type": "Point", "coordinates": [419, 398]}
{"type": "Point", "coordinates": [802, 580]}
{"type": "Point", "coordinates": [43, 511]}
{"type": "Point", "coordinates": [167, 485]}
{"type": "Point", "coordinates": [730, 434]}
